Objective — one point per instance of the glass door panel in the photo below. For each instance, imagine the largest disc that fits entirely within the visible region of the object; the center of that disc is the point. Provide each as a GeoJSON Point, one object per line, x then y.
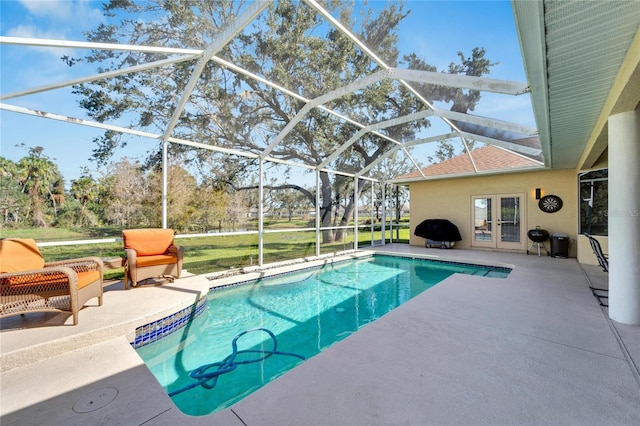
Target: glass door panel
{"type": "Point", "coordinates": [483, 221]}
{"type": "Point", "coordinates": [510, 222]}
{"type": "Point", "coordinates": [510, 219]}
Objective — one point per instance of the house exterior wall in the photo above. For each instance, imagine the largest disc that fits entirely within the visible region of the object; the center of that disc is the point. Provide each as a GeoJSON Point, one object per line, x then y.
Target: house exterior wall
{"type": "Point", "coordinates": [451, 199]}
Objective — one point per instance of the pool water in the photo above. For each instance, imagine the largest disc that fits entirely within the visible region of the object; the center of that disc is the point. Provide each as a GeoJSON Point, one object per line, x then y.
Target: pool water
{"type": "Point", "coordinates": [306, 311]}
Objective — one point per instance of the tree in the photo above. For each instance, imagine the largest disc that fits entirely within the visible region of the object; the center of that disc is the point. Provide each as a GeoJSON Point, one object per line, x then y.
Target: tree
{"type": "Point", "coordinates": [181, 195]}
{"type": "Point", "coordinates": [289, 200]}
{"type": "Point", "coordinates": [85, 191]}
{"type": "Point", "coordinates": [217, 205]}
{"type": "Point", "coordinates": [398, 196]}
{"type": "Point", "coordinates": [289, 46]}
{"type": "Point", "coordinates": [14, 204]}
{"type": "Point", "coordinates": [445, 151]}
{"type": "Point", "coordinates": [41, 180]}
{"type": "Point", "coordinates": [211, 207]}
{"type": "Point", "coordinates": [237, 210]}
{"type": "Point", "coordinates": [125, 190]}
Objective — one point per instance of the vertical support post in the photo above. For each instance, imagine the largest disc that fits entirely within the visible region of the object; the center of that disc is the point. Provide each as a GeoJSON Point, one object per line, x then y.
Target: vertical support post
{"type": "Point", "coordinates": [398, 210]}
{"type": "Point", "coordinates": [390, 211]}
{"type": "Point", "coordinates": [372, 218]}
{"type": "Point", "coordinates": [317, 212]}
{"type": "Point", "coordinates": [383, 220]}
{"type": "Point", "coordinates": [260, 212]}
{"type": "Point", "coordinates": [165, 179]}
{"type": "Point", "coordinates": [624, 217]}
{"type": "Point", "coordinates": [355, 217]}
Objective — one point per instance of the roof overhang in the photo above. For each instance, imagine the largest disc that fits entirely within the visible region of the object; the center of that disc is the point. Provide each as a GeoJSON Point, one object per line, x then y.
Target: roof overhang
{"type": "Point", "coordinates": [581, 61]}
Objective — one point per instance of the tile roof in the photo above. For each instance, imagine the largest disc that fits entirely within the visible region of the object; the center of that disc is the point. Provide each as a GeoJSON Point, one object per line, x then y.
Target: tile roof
{"type": "Point", "coordinates": [486, 158]}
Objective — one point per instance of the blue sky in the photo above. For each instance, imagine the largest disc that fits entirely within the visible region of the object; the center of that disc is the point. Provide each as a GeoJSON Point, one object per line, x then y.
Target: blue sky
{"type": "Point", "coordinates": [435, 30]}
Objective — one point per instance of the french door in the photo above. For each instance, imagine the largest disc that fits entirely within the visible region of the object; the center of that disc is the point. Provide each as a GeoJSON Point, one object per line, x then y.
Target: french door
{"type": "Point", "coordinates": [498, 221]}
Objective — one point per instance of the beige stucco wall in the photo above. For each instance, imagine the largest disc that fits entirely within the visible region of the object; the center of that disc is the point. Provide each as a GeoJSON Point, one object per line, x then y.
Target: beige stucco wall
{"type": "Point", "coordinates": [451, 199]}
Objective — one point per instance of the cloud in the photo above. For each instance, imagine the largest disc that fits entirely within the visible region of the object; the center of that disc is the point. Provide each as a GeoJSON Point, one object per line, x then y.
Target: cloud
{"type": "Point", "coordinates": [53, 20]}
{"type": "Point", "coordinates": [53, 9]}
{"type": "Point", "coordinates": [50, 56]}
{"type": "Point", "coordinates": [73, 14]}
{"type": "Point", "coordinates": [31, 31]}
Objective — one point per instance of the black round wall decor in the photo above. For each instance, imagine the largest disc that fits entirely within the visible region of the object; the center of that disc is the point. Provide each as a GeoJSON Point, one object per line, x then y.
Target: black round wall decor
{"type": "Point", "coordinates": [550, 203]}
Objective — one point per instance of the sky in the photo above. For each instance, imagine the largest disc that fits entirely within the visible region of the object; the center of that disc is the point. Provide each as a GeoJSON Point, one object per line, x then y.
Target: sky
{"type": "Point", "coordinates": [434, 30]}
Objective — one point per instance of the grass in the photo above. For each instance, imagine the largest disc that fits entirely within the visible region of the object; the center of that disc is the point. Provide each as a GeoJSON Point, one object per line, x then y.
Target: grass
{"type": "Point", "coordinates": [62, 234]}
{"type": "Point", "coordinates": [203, 254]}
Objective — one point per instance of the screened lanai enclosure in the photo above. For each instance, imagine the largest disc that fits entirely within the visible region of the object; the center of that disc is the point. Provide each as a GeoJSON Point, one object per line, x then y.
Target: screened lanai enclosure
{"type": "Point", "coordinates": [286, 110]}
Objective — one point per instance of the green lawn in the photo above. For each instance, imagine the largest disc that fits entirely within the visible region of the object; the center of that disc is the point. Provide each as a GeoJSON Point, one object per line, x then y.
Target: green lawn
{"type": "Point", "coordinates": [202, 254]}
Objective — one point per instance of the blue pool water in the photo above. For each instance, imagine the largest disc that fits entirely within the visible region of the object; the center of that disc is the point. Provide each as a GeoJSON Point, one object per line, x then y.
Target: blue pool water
{"type": "Point", "coordinates": [306, 311]}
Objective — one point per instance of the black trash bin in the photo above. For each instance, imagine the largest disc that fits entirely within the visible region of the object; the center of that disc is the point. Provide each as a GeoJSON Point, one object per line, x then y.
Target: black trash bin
{"type": "Point", "coordinates": [559, 245]}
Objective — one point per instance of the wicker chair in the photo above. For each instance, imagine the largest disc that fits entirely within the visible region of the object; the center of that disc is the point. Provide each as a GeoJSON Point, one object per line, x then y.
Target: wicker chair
{"type": "Point", "coordinates": [28, 284]}
{"type": "Point", "coordinates": [150, 253]}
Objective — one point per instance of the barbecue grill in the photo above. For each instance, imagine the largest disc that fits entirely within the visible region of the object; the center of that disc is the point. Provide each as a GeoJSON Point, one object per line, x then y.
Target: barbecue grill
{"type": "Point", "coordinates": [538, 236]}
{"type": "Point", "coordinates": [438, 233]}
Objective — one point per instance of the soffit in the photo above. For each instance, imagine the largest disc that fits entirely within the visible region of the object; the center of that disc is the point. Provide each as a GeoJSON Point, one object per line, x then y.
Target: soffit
{"type": "Point", "coordinates": [575, 49]}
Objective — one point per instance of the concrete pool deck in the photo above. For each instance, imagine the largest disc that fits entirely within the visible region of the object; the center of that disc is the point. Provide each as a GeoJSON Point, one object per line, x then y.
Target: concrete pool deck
{"type": "Point", "coordinates": [534, 348]}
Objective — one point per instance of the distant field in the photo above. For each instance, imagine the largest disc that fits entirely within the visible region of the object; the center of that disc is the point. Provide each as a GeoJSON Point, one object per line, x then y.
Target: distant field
{"type": "Point", "coordinates": [203, 254]}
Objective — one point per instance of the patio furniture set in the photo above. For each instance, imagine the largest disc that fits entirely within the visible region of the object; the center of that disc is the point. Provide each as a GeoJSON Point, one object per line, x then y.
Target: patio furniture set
{"type": "Point", "coordinates": [29, 284]}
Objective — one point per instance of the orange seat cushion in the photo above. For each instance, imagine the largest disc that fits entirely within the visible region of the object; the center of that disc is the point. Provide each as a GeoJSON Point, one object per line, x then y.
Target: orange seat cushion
{"type": "Point", "coordinates": [160, 259]}
{"type": "Point", "coordinates": [86, 278]}
{"type": "Point", "coordinates": [19, 254]}
{"type": "Point", "coordinates": [148, 242]}
{"type": "Point", "coordinates": [38, 283]}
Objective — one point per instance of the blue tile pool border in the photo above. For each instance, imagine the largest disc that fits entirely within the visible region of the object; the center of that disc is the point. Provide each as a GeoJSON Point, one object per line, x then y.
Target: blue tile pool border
{"type": "Point", "coordinates": [156, 330]}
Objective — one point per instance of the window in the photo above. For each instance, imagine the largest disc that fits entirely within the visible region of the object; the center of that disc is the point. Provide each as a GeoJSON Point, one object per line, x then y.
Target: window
{"type": "Point", "coordinates": [594, 199]}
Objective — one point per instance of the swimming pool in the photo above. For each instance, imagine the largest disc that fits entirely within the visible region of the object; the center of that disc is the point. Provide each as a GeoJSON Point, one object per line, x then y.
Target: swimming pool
{"type": "Point", "coordinates": [296, 315]}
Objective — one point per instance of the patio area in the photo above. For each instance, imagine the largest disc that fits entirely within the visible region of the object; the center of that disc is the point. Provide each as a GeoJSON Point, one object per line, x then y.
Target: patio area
{"type": "Point", "coordinates": [534, 348]}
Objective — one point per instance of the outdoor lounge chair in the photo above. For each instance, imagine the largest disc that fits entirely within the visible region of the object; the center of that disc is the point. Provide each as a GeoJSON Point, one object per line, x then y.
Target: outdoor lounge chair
{"type": "Point", "coordinates": [602, 294]}
{"type": "Point", "coordinates": [28, 284]}
{"type": "Point", "coordinates": [150, 253]}
{"type": "Point", "coordinates": [603, 260]}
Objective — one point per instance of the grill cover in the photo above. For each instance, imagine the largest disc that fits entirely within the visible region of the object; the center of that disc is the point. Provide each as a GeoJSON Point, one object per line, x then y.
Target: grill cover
{"type": "Point", "coordinates": [437, 230]}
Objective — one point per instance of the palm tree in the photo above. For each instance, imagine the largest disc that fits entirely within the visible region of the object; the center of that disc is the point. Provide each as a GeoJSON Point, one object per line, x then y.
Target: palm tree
{"type": "Point", "coordinates": [85, 191]}
{"type": "Point", "coordinates": [39, 177]}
